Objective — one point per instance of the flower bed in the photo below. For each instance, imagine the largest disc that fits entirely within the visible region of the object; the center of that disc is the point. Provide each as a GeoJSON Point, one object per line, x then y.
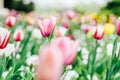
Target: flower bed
{"type": "Point", "coordinates": [66, 46]}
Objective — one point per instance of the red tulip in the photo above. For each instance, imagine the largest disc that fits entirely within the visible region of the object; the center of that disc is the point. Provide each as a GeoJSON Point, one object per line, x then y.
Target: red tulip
{"type": "Point", "coordinates": [10, 21]}
{"type": "Point", "coordinates": [71, 14]}
{"type": "Point", "coordinates": [18, 35]}
{"type": "Point", "coordinates": [99, 32]}
{"type": "Point", "coordinates": [4, 37]}
{"type": "Point", "coordinates": [71, 37]}
{"type": "Point", "coordinates": [50, 64]}
{"type": "Point", "coordinates": [68, 47]}
{"type": "Point", "coordinates": [46, 26]}
{"type": "Point", "coordinates": [118, 27]}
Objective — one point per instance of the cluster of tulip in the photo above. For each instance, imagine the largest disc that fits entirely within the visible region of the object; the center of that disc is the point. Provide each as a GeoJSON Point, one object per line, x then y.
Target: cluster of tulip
{"type": "Point", "coordinates": [69, 46]}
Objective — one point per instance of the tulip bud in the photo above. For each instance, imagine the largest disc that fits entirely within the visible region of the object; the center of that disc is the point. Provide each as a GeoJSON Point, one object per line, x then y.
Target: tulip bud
{"type": "Point", "coordinates": [18, 35]}
{"type": "Point", "coordinates": [46, 26]}
{"type": "Point", "coordinates": [13, 12]}
{"type": "Point", "coordinates": [87, 28]}
{"type": "Point", "coordinates": [71, 14]}
{"type": "Point", "coordinates": [71, 37]}
{"type": "Point", "coordinates": [30, 20]}
{"type": "Point", "coordinates": [10, 21]}
{"type": "Point", "coordinates": [65, 25]}
{"type": "Point", "coordinates": [50, 64]}
{"type": "Point", "coordinates": [99, 32]}
{"type": "Point", "coordinates": [118, 27]}
{"type": "Point", "coordinates": [4, 37]}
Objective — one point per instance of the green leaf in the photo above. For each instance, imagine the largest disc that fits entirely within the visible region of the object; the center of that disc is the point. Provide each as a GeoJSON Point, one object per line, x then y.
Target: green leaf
{"type": "Point", "coordinates": [2, 65]}
{"type": "Point", "coordinates": [114, 47]}
{"type": "Point", "coordinates": [23, 53]}
{"type": "Point", "coordinates": [78, 60]}
{"type": "Point", "coordinates": [84, 73]}
{"type": "Point", "coordinates": [28, 75]}
{"type": "Point", "coordinates": [10, 74]}
{"type": "Point", "coordinates": [116, 68]}
{"type": "Point", "coordinates": [51, 35]}
{"type": "Point", "coordinates": [117, 78]}
{"type": "Point", "coordinates": [110, 74]}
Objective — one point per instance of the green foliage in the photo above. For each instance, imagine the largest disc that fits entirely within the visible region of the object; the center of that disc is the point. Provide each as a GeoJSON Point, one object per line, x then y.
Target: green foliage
{"type": "Point", "coordinates": [115, 64]}
{"type": "Point", "coordinates": [2, 65]}
{"type": "Point", "coordinates": [113, 7]}
{"type": "Point", "coordinates": [18, 5]}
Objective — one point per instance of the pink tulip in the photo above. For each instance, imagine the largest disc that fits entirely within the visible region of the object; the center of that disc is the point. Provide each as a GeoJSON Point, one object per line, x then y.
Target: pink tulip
{"type": "Point", "coordinates": [46, 26]}
{"type": "Point", "coordinates": [10, 21]}
{"type": "Point", "coordinates": [87, 28]}
{"type": "Point", "coordinates": [68, 47]}
{"type": "Point", "coordinates": [118, 27]}
{"type": "Point", "coordinates": [50, 64]}
{"type": "Point", "coordinates": [99, 32]}
{"type": "Point", "coordinates": [65, 25]}
{"type": "Point", "coordinates": [4, 37]}
{"type": "Point", "coordinates": [13, 12]}
{"type": "Point", "coordinates": [71, 14]}
{"type": "Point", "coordinates": [18, 35]}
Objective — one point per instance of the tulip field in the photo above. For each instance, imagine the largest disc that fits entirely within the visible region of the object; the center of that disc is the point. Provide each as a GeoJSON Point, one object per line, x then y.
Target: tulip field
{"type": "Point", "coordinates": [63, 46]}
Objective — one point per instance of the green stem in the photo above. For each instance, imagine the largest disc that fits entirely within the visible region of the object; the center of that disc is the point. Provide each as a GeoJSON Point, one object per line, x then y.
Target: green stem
{"type": "Point", "coordinates": [16, 49]}
{"type": "Point", "coordinates": [24, 46]}
{"type": "Point", "coordinates": [113, 63]}
{"type": "Point", "coordinates": [89, 56]}
{"type": "Point", "coordinates": [93, 60]}
{"type": "Point", "coordinates": [65, 75]}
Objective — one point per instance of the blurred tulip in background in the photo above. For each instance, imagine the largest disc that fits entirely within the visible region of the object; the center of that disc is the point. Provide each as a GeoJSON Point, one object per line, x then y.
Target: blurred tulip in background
{"type": "Point", "coordinates": [4, 37]}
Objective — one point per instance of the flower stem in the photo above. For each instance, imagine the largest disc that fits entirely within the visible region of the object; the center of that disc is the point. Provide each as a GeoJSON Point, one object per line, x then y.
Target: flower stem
{"type": "Point", "coordinates": [93, 60]}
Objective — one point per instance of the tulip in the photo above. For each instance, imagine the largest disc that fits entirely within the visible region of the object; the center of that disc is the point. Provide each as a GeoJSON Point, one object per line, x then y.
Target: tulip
{"type": "Point", "coordinates": [68, 47]}
{"type": "Point", "coordinates": [99, 32]}
{"type": "Point", "coordinates": [71, 37]}
{"type": "Point", "coordinates": [10, 21]}
{"type": "Point", "coordinates": [18, 35]}
{"type": "Point", "coordinates": [118, 27]}
{"type": "Point", "coordinates": [4, 37]}
{"type": "Point", "coordinates": [36, 31]}
{"type": "Point", "coordinates": [71, 14]}
{"type": "Point", "coordinates": [65, 25]}
{"type": "Point", "coordinates": [46, 26]}
{"type": "Point", "coordinates": [94, 15]}
{"type": "Point", "coordinates": [50, 64]}
{"type": "Point", "coordinates": [13, 12]}
{"type": "Point", "coordinates": [8, 50]}
{"type": "Point", "coordinates": [87, 28]}
{"type": "Point", "coordinates": [109, 28]}
{"type": "Point", "coordinates": [30, 20]}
